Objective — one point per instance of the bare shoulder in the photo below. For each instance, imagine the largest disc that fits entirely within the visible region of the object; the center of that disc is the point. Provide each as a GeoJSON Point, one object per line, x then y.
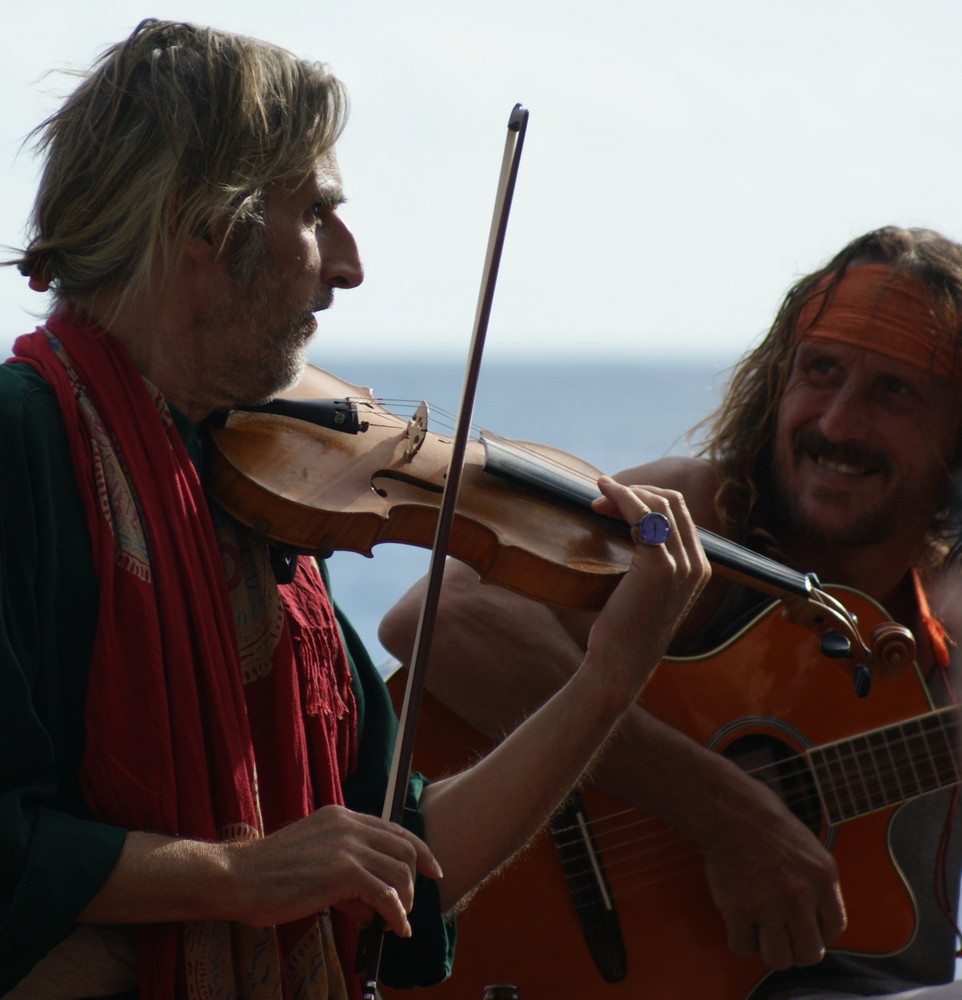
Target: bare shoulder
{"type": "Point", "coordinates": [697, 481]}
{"type": "Point", "coordinates": [694, 478]}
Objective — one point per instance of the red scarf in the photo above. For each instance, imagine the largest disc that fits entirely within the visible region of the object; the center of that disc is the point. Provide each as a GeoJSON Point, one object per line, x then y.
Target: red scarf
{"type": "Point", "coordinates": [171, 743]}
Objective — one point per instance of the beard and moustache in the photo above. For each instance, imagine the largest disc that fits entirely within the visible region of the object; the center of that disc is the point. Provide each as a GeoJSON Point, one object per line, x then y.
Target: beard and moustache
{"type": "Point", "coordinates": [272, 355]}
{"type": "Point", "coordinates": [909, 506]}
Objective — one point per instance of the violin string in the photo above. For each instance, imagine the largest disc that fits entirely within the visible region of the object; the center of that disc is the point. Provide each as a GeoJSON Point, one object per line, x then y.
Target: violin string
{"type": "Point", "coordinates": [556, 458]}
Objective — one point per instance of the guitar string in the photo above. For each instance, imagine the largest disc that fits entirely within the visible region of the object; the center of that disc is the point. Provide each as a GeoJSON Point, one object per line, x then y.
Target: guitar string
{"type": "Point", "coordinates": [662, 850]}
{"type": "Point", "coordinates": [945, 772]}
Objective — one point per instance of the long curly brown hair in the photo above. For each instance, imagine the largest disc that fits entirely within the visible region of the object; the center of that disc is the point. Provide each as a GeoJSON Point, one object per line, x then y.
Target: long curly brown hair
{"type": "Point", "coordinates": [738, 437]}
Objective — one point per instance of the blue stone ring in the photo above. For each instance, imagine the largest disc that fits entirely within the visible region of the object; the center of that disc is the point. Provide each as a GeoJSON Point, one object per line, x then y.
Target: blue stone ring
{"type": "Point", "coordinates": [652, 529]}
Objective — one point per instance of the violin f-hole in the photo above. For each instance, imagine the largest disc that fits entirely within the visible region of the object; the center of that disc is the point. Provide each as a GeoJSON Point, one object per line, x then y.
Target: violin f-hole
{"type": "Point", "coordinates": [399, 477]}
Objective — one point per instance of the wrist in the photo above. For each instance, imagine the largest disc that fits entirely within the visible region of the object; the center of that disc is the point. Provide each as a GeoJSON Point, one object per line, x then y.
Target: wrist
{"type": "Point", "coordinates": [160, 879]}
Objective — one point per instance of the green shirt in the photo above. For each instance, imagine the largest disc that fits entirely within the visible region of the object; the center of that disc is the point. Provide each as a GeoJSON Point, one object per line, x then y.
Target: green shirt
{"type": "Point", "coordinates": [54, 856]}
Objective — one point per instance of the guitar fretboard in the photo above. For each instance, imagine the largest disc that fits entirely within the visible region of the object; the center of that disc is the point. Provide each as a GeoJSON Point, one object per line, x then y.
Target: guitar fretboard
{"type": "Point", "coordinates": [888, 765]}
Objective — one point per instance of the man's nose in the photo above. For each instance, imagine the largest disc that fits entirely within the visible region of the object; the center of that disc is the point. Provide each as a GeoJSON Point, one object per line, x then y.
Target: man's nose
{"type": "Point", "coordinates": [845, 414]}
{"type": "Point", "coordinates": [342, 262]}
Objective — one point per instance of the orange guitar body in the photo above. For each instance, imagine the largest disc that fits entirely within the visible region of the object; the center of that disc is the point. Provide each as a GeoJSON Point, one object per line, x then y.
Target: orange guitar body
{"type": "Point", "coordinates": [768, 680]}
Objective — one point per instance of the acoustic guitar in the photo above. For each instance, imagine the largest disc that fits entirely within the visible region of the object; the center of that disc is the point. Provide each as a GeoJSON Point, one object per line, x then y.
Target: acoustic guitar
{"type": "Point", "coordinates": [612, 903]}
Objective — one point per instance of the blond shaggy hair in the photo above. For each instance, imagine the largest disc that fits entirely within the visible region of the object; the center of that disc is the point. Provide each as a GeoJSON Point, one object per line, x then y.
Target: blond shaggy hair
{"type": "Point", "coordinates": [173, 128]}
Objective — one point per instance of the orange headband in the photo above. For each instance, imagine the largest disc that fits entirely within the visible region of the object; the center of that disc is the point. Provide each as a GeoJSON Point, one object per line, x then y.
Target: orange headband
{"type": "Point", "coordinates": [879, 308]}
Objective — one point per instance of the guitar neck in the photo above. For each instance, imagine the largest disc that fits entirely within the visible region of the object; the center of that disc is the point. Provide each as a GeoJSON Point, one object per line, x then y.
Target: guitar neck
{"type": "Point", "coordinates": [889, 765]}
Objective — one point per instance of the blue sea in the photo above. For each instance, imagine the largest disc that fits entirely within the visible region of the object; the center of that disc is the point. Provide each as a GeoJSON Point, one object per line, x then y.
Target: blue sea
{"type": "Point", "coordinates": [613, 415]}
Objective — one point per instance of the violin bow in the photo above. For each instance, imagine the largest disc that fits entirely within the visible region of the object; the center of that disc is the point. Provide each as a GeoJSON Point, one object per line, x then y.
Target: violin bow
{"type": "Point", "coordinates": [372, 936]}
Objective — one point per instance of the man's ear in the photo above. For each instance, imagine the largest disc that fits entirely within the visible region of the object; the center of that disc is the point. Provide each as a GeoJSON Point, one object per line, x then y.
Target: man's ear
{"type": "Point", "coordinates": [204, 246]}
{"type": "Point", "coordinates": [200, 249]}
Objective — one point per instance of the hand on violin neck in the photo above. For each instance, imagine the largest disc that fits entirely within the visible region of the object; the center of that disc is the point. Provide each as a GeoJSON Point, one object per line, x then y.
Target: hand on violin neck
{"type": "Point", "coordinates": [633, 631]}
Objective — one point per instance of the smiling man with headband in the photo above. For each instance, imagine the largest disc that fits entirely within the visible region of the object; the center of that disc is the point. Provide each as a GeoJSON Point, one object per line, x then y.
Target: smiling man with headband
{"type": "Point", "coordinates": [833, 451]}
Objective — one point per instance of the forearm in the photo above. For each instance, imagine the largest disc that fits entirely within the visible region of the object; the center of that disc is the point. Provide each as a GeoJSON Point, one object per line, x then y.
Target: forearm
{"type": "Point", "coordinates": [476, 820]}
{"type": "Point", "coordinates": [660, 770]}
{"type": "Point", "coordinates": [333, 857]}
{"type": "Point", "coordinates": [496, 656]}
{"type": "Point", "coordinates": [485, 814]}
{"type": "Point", "coordinates": [158, 879]}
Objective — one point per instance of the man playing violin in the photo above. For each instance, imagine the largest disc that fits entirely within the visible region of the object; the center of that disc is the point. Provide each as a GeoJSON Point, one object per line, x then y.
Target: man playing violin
{"type": "Point", "coordinates": [196, 745]}
{"type": "Point", "coordinates": [833, 451]}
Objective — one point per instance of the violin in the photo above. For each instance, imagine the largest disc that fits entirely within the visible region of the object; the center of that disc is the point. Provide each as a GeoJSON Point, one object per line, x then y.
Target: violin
{"type": "Point", "coordinates": [342, 472]}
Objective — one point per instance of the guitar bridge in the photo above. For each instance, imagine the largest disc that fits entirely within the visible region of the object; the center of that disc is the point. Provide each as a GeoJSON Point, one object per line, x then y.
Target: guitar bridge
{"type": "Point", "coordinates": [587, 885]}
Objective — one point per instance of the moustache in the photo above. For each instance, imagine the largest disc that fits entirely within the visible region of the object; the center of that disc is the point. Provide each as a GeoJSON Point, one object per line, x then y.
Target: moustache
{"type": "Point", "coordinates": [324, 300]}
{"type": "Point", "coordinates": [813, 443]}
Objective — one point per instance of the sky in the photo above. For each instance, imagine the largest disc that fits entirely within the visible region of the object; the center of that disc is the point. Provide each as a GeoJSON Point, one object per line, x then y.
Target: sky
{"type": "Point", "coordinates": [684, 162]}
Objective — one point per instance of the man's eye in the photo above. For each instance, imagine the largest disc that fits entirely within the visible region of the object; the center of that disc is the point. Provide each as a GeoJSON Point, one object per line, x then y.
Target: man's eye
{"type": "Point", "coordinates": [820, 367]}
{"type": "Point", "coordinates": [322, 211]}
{"type": "Point", "coordinates": [896, 387]}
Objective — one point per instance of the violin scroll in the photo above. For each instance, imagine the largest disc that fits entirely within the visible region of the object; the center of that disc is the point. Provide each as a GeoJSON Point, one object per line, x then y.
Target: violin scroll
{"type": "Point", "coordinates": [892, 649]}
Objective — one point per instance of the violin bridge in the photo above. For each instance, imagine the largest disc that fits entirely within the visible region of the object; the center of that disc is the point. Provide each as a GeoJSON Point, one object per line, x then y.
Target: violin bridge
{"type": "Point", "coordinates": [415, 431]}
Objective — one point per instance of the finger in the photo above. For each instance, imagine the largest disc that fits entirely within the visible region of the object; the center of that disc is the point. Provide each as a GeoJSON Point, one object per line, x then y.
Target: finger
{"type": "Point", "coordinates": [832, 917]}
{"type": "Point", "coordinates": [807, 945]}
{"type": "Point", "coordinates": [386, 875]}
{"type": "Point", "coordinates": [635, 505]}
{"type": "Point", "coordinates": [652, 528]}
{"type": "Point", "coordinates": [382, 899]}
{"type": "Point", "coordinates": [394, 912]}
{"type": "Point", "coordinates": [400, 856]}
{"type": "Point", "coordinates": [631, 503]}
{"type": "Point", "coordinates": [426, 863]}
{"type": "Point", "coordinates": [386, 880]}
{"type": "Point", "coordinates": [395, 841]}
{"type": "Point", "coordinates": [615, 494]}
{"type": "Point", "coordinates": [686, 529]}
{"type": "Point", "coordinates": [742, 937]}
{"type": "Point", "coordinates": [775, 946]}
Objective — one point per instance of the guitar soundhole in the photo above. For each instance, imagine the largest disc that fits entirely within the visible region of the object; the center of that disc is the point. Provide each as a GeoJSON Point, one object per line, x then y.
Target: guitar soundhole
{"type": "Point", "coordinates": [779, 766]}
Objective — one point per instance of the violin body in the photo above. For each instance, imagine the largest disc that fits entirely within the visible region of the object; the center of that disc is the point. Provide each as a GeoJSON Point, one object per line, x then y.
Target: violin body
{"type": "Point", "coordinates": [523, 517]}
{"type": "Point", "coordinates": [317, 489]}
